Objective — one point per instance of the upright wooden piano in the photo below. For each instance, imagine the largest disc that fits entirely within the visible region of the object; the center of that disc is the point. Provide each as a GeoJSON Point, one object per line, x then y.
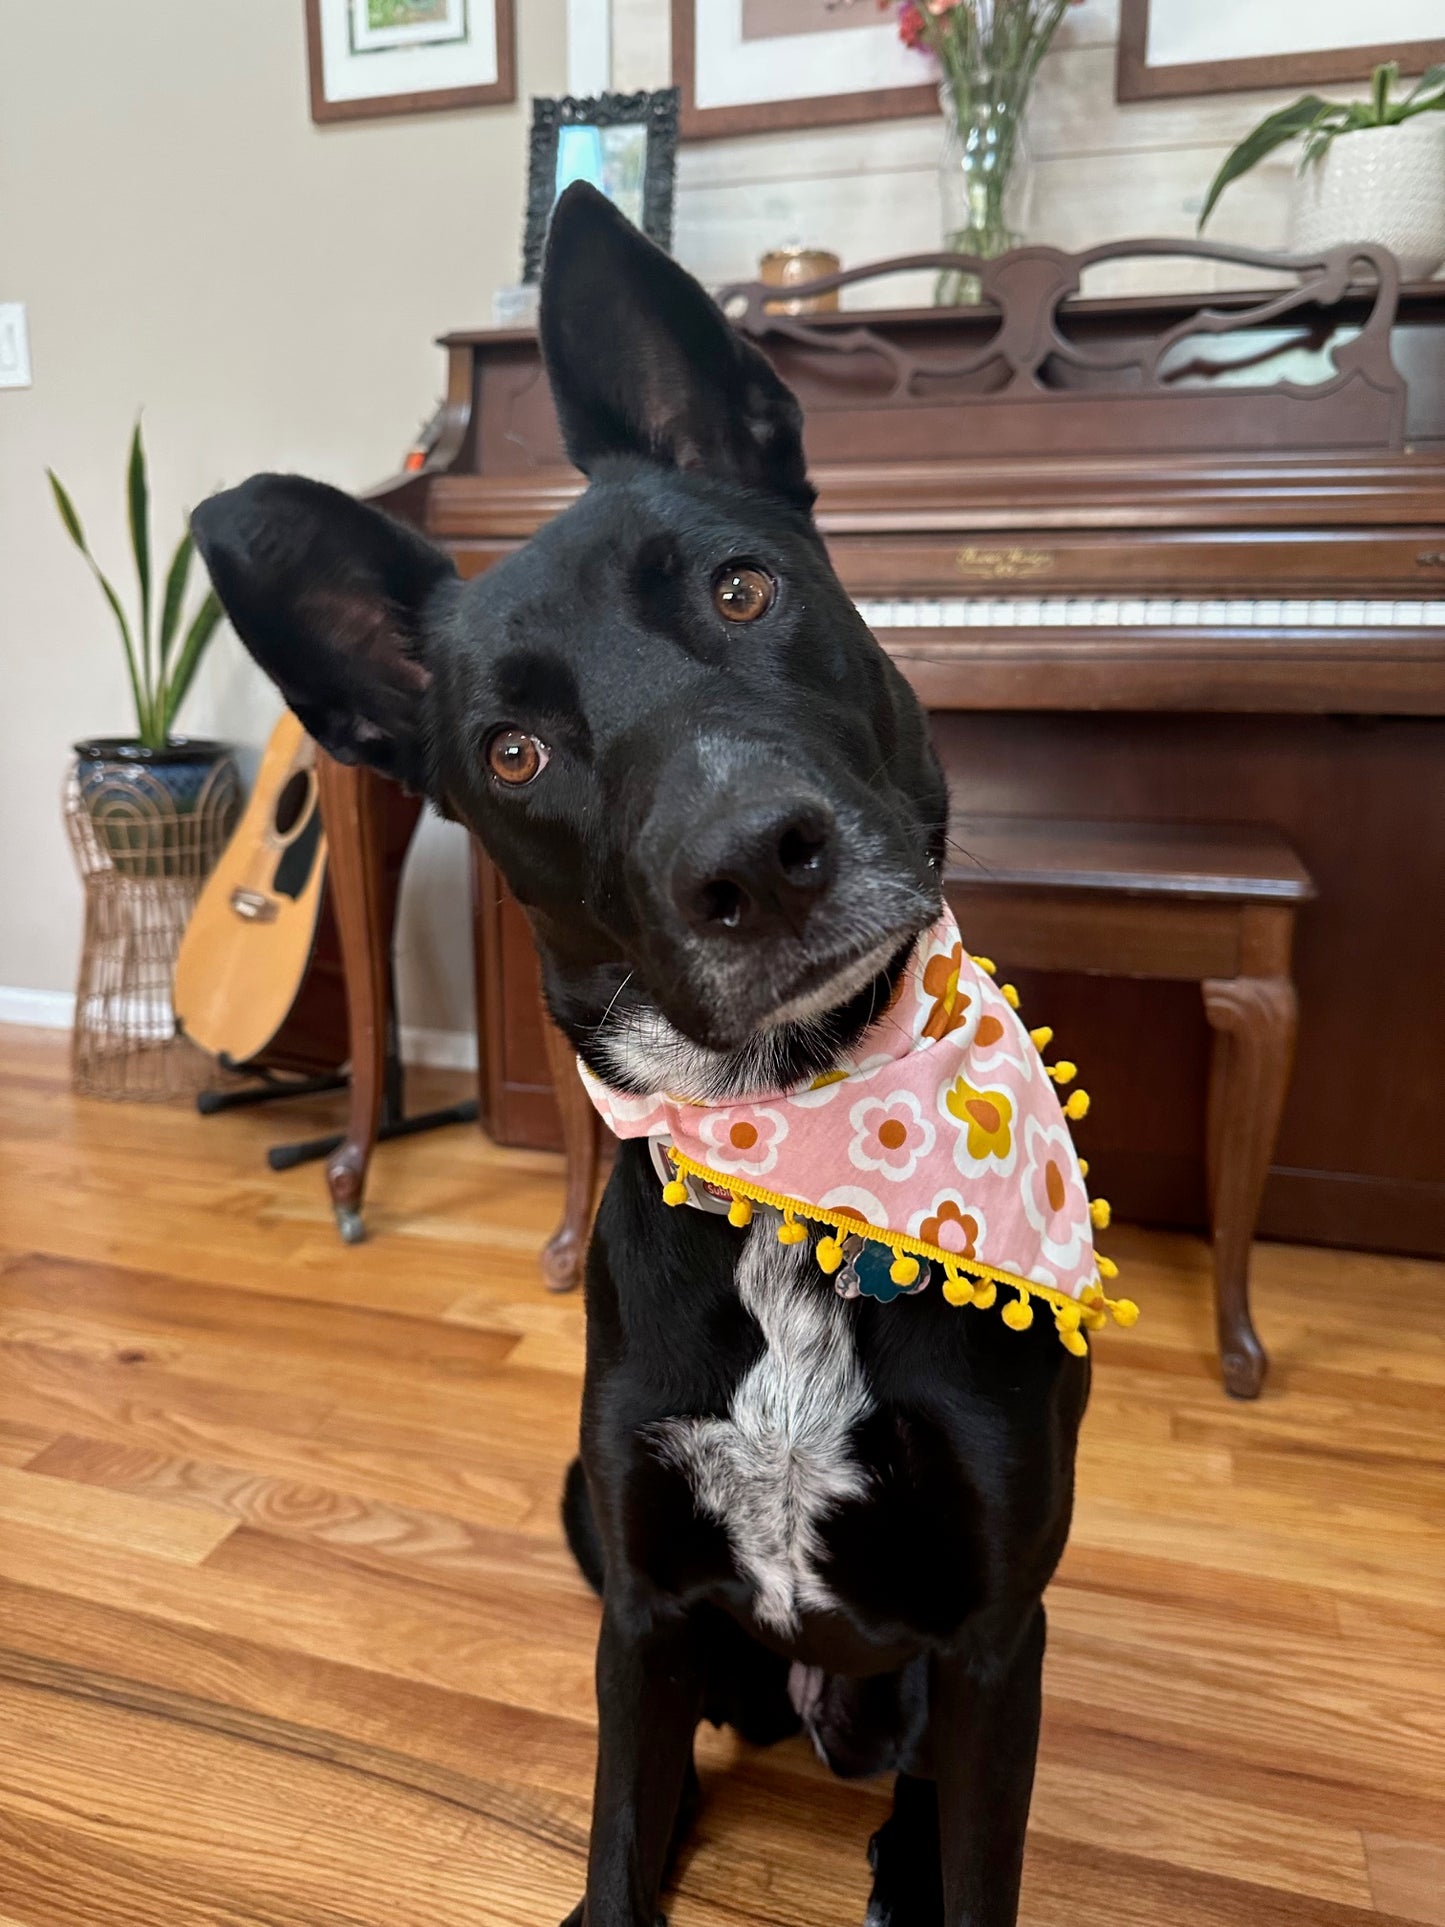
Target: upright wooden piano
{"type": "Point", "coordinates": [1140, 560]}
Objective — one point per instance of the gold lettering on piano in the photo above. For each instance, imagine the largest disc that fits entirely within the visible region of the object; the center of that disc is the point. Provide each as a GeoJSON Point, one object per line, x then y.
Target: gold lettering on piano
{"type": "Point", "coordinates": [1003, 565]}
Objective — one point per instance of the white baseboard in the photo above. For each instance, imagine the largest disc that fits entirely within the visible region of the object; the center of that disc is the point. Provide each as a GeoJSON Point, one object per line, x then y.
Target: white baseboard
{"type": "Point", "coordinates": [44, 1009]}
{"type": "Point", "coordinates": [448, 1050]}
{"type": "Point", "coordinates": [442, 1050]}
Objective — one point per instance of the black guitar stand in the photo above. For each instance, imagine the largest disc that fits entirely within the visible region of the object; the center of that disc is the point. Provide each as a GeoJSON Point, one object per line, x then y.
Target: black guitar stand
{"type": "Point", "coordinates": [394, 1122]}
{"type": "Point", "coordinates": [267, 1089]}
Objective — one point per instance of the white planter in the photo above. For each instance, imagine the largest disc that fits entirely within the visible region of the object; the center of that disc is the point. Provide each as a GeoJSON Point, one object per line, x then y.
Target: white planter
{"type": "Point", "coordinates": [1384, 184]}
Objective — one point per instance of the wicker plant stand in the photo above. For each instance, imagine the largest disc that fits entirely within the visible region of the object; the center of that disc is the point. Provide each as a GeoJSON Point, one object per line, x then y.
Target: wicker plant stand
{"type": "Point", "coordinates": [145, 838]}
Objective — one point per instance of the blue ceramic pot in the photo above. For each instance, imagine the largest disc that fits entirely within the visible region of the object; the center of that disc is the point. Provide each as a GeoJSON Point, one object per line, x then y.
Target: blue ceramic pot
{"type": "Point", "coordinates": [118, 780]}
{"type": "Point", "coordinates": [181, 768]}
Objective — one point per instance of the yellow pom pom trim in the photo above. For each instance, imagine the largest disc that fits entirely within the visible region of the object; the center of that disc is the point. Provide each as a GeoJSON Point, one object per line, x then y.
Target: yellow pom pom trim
{"type": "Point", "coordinates": [987, 966]}
{"type": "Point", "coordinates": [1042, 1037]}
{"type": "Point", "coordinates": [1077, 1105]}
{"type": "Point", "coordinates": [1018, 1315]}
{"type": "Point", "coordinates": [1100, 1214]}
{"type": "Point", "coordinates": [1083, 1167]}
{"type": "Point", "coordinates": [1064, 1072]}
{"type": "Point", "coordinates": [1009, 995]}
{"type": "Point", "coordinates": [965, 1280]}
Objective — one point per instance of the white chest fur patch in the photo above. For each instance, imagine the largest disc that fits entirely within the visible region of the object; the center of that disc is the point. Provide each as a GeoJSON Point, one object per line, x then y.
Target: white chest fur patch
{"type": "Point", "coordinates": [781, 1461]}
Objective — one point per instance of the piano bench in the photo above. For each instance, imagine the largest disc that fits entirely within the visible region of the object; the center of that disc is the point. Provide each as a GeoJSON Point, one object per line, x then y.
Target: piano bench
{"type": "Point", "coordinates": [1212, 904]}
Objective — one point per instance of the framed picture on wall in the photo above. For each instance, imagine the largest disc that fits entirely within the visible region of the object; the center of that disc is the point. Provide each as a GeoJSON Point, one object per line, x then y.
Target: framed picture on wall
{"type": "Point", "coordinates": [1185, 47]}
{"type": "Point", "coordinates": [748, 66]}
{"type": "Point", "coordinates": [373, 57]}
{"type": "Point", "coordinates": [624, 144]}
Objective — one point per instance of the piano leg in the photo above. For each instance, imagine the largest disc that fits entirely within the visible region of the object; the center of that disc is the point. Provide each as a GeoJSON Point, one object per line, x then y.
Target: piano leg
{"type": "Point", "coordinates": [353, 807]}
{"type": "Point", "coordinates": [1253, 1020]}
{"type": "Point", "coordinates": [565, 1251]}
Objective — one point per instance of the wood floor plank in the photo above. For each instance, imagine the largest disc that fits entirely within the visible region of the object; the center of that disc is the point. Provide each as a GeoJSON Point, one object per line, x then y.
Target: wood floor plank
{"type": "Point", "coordinates": [1407, 1877]}
{"type": "Point", "coordinates": [117, 1297]}
{"type": "Point", "coordinates": [532, 1645]}
{"type": "Point", "coordinates": [19, 1444]}
{"type": "Point", "coordinates": [108, 1518]}
{"type": "Point", "coordinates": [513, 1485]}
{"type": "Point", "coordinates": [368, 1529]}
{"type": "Point", "coordinates": [1206, 1830]}
{"type": "Point", "coordinates": [310, 1842]}
{"type": "Point", "coordinates": [289, 1637]}
{"type": "Point", "coordinates": [1285, 1701]}
{"type": "Point", "coordinates": [418, 1734]}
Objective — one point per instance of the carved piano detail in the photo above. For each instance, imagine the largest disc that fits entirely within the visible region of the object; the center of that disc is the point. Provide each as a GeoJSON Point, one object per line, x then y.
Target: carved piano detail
{"type": "Point", "coordinates": [1143, 558]}
{"type": "Point", "coordinates": [1163, 397]}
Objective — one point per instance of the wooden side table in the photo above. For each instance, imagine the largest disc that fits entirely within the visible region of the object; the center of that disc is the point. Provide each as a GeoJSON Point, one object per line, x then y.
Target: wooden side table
{"type": "Point", "coordinates": [1210, 904]}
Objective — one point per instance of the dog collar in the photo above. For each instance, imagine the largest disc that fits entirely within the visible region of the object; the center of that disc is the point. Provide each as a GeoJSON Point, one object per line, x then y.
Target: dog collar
{"type": "Point", "coordinates": [940, 1143]}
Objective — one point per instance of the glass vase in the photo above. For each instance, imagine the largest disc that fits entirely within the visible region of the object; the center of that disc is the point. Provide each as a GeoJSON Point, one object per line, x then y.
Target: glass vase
{"type": "Point", "coordinates": [982, 175]}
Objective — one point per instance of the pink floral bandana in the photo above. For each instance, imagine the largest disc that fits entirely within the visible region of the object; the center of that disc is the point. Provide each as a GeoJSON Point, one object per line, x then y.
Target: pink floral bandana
{"type": "Point", "coordinates": [939, 1142]}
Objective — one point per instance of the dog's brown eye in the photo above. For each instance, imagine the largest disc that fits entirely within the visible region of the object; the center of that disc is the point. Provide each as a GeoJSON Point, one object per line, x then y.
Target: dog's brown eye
{"type": "Point", "coordinates": [742, 593]}
{"type": "Point", "coordinates": [515, 758]}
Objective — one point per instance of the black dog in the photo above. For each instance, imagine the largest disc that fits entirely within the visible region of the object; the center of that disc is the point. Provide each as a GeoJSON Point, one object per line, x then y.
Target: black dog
{"type": "Point", "coordinates": [716, 798]}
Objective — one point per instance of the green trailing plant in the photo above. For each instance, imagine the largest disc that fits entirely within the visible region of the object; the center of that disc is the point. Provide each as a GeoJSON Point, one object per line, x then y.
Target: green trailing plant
{"type": "Point", "coordinates": [160, 671]}
{"type": "Point", "coordinates": [1318, 122]}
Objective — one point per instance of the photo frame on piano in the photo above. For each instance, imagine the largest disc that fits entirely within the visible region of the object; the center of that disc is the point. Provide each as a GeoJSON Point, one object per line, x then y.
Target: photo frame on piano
{"type": "Point", "coordinates": [1180, 47]}
{"type": "Point", "coordinates": [625, 145]}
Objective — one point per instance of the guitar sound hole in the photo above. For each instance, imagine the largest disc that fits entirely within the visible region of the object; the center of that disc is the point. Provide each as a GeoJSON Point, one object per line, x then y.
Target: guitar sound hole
{"type": "Point", "coordinates": [291, 802]}
{"type": "Point", "coordinates": [294, 868]}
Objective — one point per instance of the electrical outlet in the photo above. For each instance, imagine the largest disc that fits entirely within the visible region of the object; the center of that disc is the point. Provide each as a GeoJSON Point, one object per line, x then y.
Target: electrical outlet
{"type": "Point", "coordinates": [14, 346]}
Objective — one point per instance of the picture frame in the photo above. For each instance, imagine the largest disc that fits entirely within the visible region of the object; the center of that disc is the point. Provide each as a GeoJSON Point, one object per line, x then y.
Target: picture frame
{"type": "Point", "coordinates": [625, 144]}
{"type": "Point", "coordinates": [368, 59]}
{"type": "Point", "coordinates": [759, 66]}
{"type": "Point", "coordinates": [1245, 44]}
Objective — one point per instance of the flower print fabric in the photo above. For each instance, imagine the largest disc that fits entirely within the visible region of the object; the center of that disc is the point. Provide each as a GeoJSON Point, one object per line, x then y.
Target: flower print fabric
{"type": "Point", "coordinates": [941, 1125]}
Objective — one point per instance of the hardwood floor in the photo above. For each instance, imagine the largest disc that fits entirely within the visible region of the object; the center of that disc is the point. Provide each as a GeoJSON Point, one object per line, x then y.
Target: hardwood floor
{"type": "Point", "coordinates": [289, 1638]}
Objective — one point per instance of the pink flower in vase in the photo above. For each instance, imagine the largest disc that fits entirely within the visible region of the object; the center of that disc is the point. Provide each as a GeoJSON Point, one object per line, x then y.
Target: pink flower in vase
{"type": "Point", "coordinates": [910, 25]}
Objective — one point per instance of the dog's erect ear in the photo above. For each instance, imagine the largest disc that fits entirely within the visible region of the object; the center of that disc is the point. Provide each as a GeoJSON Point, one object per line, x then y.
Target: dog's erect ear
{"type": "Point", "coordinates": [643, 362]}
{"type": "Point", "coordinates": [331, 598]}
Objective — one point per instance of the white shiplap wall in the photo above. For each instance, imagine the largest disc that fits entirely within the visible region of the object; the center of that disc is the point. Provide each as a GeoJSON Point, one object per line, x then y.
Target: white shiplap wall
{"type": "Point", "coordinates": [1101, 170]}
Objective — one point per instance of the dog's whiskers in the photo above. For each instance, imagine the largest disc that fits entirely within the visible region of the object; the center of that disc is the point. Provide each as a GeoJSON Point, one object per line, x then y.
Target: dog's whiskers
{"type": "Point", "coordinates": [596, 1028]}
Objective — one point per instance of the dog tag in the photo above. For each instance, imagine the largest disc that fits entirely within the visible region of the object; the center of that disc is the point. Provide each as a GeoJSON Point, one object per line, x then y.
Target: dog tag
{"type": "Point", "coordinates": [845, 1280]}
{"type": "Point", "coordinates": [874, 1269]}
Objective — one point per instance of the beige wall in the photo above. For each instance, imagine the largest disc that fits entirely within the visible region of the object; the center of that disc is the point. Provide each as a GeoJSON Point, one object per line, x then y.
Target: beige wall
{"type": "Point", "coordinates": [186, 239]}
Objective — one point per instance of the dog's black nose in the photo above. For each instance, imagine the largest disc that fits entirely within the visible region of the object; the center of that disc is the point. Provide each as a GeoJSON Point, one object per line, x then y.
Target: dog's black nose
{"type": "Point", "coordinates": [755, 873]}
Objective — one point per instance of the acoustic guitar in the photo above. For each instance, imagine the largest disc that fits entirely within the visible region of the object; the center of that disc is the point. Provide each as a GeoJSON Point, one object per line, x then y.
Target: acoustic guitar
{"type": "Point", "coordinates": [258, 980]}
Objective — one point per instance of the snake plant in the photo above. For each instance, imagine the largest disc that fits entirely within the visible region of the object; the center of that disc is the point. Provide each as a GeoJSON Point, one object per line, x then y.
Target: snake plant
{"type": "Point", "coordinates": [160, 672]}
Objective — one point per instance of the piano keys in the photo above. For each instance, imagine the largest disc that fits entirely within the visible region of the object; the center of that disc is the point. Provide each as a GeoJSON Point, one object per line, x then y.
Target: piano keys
{"type": "Point", "coordinates": [1158, 612]}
